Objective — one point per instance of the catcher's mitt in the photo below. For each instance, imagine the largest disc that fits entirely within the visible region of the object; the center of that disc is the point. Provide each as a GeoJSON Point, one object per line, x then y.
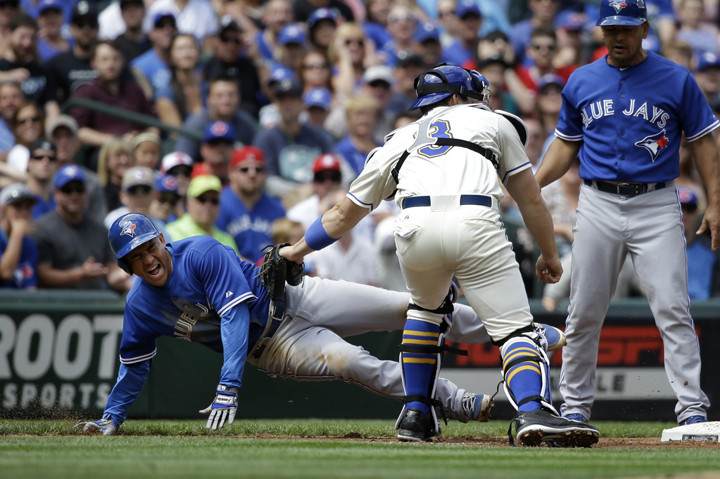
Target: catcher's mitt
{"type": "Point", "coordinates": [276, 270]}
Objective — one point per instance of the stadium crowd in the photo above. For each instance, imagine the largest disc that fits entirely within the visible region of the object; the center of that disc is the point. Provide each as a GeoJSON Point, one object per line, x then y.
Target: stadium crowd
{"type": "Point", "coordinates": [276, 104]}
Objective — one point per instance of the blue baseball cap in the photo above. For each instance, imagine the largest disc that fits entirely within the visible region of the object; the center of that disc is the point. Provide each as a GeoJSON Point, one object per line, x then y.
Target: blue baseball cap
{"type": "Point", "coordinates": [323, 14]}
{"type": "Point", "coordinates": [570, 20]}
{"type": "Point", "coordinates": [290, 86]}
{"type": "Point", "coordinates": [467, 7]}
{"type": "Point", "coordinates": [280, 72]}
{"type": "Point", "coordinates": [629, 13]}
{"type": "Point", "coordinates": [426, 31]}
{"type": "Point", "coordinates": [708, 60]}
{"type": "Point", "coordinates": [687, 196]}
{"type": "Point", "coordinates": [66, 174]}
{"type": "Point", "coordinates": [160, 15]}
{"type": "Point", "coordinates": [166, 184]}
{"type": "Point", "coordinates": [292, 33]}
{"type": "Point", "coordinates": [219, 130]}
{"type": "Point", "coordinates": [49, 5]}
{"type": "Point", "coordinates": [318, 97]}
{"type": "Point", "coordinates": [550, 79]}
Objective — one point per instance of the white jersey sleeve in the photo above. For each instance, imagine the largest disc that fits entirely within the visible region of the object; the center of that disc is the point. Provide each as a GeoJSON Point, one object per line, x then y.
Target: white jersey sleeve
{"type": "Point", "coordinates": [513, 158]}
{"type": "Point", "coordinates": [375, 182]}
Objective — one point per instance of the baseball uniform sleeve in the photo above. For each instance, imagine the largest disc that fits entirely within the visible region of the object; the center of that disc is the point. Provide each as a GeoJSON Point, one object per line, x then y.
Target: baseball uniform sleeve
{"type": "Point", "coordinates": [234, 328]}
{"type": "Point", "coordinates": [513, 158]}
{"type": "Point", "coordinates": [130, 382]}
{"type": "Point", "coordinates": [138, 340]}
{"type": "Point", "coordinates": [373, 185]}
{"type": "Point", "coordinates": [225, 285]}
{"type": "Point", "coordinates": [570, 124]}
{"type": "Point", "coordinates": [696, 116]}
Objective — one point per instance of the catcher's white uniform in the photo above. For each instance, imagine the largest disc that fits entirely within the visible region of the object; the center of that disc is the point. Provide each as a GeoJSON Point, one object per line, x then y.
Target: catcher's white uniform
{"type": "Point", "coordinates": [446, 238]}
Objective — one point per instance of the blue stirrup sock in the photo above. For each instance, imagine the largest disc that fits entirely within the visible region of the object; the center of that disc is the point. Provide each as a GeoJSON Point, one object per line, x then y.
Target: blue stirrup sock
{"type": "Point", "coordinates": [524, 378]}
{"type": "Point", "coordinates": [420, 369]}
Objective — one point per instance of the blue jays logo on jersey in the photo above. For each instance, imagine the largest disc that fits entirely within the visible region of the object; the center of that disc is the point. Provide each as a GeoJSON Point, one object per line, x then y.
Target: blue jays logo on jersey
{"type": "Point", "coordinates": [618, 5]}
{"type": "Point", "coordinates": [654, 144]}
{"type": "Point", "coordinates": [128, 229]}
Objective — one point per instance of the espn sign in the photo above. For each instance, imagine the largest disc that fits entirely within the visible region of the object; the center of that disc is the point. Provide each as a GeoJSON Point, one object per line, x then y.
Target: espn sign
{"type": "Point", "coordinates": [69, 363]}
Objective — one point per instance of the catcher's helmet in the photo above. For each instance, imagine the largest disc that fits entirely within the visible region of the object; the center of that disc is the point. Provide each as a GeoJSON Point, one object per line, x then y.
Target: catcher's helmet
{"type": "Point", "coordinates": [444, 80]}
{"type": "Point", "coordinates": [127, 233]}
{"type": "Point", "coordinates": [629, 13]}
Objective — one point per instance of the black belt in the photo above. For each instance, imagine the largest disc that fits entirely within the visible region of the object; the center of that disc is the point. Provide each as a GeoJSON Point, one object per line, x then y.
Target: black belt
{"type": "Point", "coordinates": [276, 316]}
{"type": "Point", "coordinates": [479, 200]}
{"type": "Point", "coordinates": [625, 189]}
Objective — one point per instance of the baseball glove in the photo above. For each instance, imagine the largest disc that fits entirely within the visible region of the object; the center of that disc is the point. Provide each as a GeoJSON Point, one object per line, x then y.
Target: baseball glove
{"type": "Point", "coordinates": [276, 270]}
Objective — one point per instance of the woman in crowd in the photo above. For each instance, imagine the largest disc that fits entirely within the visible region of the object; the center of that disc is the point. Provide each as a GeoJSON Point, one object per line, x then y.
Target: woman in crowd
{"type": "Point", "coordinates": [146, 150]}
{"type": "Point", "coordinates": [28, 125]}
{"type": "Point", "coordinates": [361, 113]}
{"type": "Point", "coordinates": [115, 157]}
{"type": "Point", "coordinates": [314, 70]}
{"type": "Point", "coordinates": [185, 93]}
{"type": "Point", "coordinates": [349, 57]}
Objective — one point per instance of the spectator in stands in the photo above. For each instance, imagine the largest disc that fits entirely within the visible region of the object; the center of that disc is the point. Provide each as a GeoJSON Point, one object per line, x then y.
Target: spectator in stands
{"type": "Point", "coordinates": [137, 194]}
{"type": "Point", "coordinates": [508, 92]}
{"type": "Point", "coordinates": [222, 105]}
{"type": "Point", "coordinates": [542, 50]}
{"type": "Point", "coordinates": [151, 67]}
{"type": "Point", "coordinates": [114, 159]}
{"type": "Point", "coordinates": [291, 146]}
{"type": "Point", "coordinates": [246, 212]}
{"type": "Point", "coordinates": [361, 113]}
{"type": "Point", "coordinates": [351, 258]}
{"type": "Point", "coordinates": [291, 45]}
{"type": "Point", "coordinates": [269, 114]}
{"type": "Point", "coordinates": [408, 66]}
{"type": "Point", "coordinates": [536, 138]}
{"type": "Point", "coordinates": [327, 177]}
{"type": "Point", "coordinates": [217, 148]}
{"type": "Point", "coordinates": [11, 98]}
{"type": "Point", "coordinates": [470, 21]}
{"type": "Point", "coordinates": [146, 150]}
{"type": "Point", "coordinates": [542, 16]}
{"type": "Point", "coordinates": [28, 126]}
{"type": "Point", "coordinates": [679, 52]}
{"type": "Point", "coordinates": [568, 31]}
{"type": "Point", "coordinates": [40, 170]}
{"type": "Point", "coordinates": [50, 20]}
{"type": "Point", "coordinates": [318, 103]}
{"type": "Point", "coordinates": [427, 44]}
{"type": "Point", "coordinates": [178, 165]}
{"type": "Point", "coordinates": [18, 252]}
{"type": "Point", "coordinates": [549, 101]}
{"type": "Point", "coordinates": [20, 63]}
{"type": "Point", "coordinates": [278, 13]}
{"type": "Point", "coordinates": [347, 55]}
{"type": "Point", "coordinates": [63, 131]}
{"type": "Point", "coordinates": [98, 128]}
{"type": "Point", "coordinates": [401, 24]}
{"type": "Point", "coordinates": [74, 252]}
{"type": "Point", "coordinates": [194, 17]}
{"type": "Point", "coordinates": [203, 207]}
{"type": "Point", "coordinates": [68, 71]}
{"type": "Point", "coordinates": [228, 63]}
{"type": "Point", "coordinates": [321, 25]}
{"type": "Point", "coordinates": [375, 25]}
{"type": "Point", "coordinates": [8, 9]}
{"type": "Point", "coordinates": [700, 35]}
{"type": "Point", "coordinates": [708, 76]}
{"type": "Point", "coordinates": [703, 262]}
{"type": "Point", "coordinates": [167, 197]}
{"type": "Point", "coordinates": [284, 230]}
{"type": "Point", "coordinates": [184, 95]}
{"type": "Point", "coordinates": [304, 8]}
{"type": "Point", "coordinates": [134, 42]}
{"type": "Point", "coordinates": [314, 70]}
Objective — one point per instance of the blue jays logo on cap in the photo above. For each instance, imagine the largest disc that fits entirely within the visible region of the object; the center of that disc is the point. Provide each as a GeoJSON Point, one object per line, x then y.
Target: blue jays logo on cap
{"type": "Point", "coordinates": [128, 229]}
{"type": "Point", "coordinates": [219, 128]}
{"type": "Point", "coordinates": [618, 5]}
{"type": "Point", "coordinates": [654, 144]}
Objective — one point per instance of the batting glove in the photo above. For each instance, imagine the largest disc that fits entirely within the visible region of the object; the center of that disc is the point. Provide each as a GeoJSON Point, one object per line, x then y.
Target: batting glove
{"type": "Point", "coordinates": [223, 408]}
{"type": "Point", "coordinates": [104, 426]}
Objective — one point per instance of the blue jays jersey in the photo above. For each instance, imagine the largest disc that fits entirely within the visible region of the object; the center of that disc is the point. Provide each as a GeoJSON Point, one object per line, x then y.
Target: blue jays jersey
{"type": "Point", "coordinates": [631, 119]}
{"type": "Point", "coordinates": [25, 274]}
{"type": "Point", "coordinates": [249, 229]}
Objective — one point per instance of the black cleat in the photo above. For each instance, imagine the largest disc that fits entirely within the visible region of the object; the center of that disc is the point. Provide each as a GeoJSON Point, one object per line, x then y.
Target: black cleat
{"type": "Point", "coordinates": [534, 427]}
{"type": "Point", "coordinates": [416, 426]}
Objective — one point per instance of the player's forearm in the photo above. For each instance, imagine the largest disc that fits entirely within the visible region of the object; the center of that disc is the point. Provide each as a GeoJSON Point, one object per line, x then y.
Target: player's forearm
{"type": "Point", "coordinates": [131, 379]}
{"type": "Point", "coordinates": [234, 329]}
{"type": "Point", "coordinates": [557, 161]}
{"type": "Point", "coordinates": [540, 225]}
{"type": "Point", "coordinates": [707, 160]}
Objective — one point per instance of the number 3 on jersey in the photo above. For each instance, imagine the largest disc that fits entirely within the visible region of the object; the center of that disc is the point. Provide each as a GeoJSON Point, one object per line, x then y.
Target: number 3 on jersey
{"type": "Point", "coordinates": [437, 129]}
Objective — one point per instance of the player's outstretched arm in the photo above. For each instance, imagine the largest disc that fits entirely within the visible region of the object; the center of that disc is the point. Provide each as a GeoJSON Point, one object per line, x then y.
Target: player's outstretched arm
{"type": "Point", "coordinates": [525, 191]}
{"type": "Point", "coordinates": [339, 220]}
{"type": "Point", "coordinates": [557, 161]}
{"type": "Point", "coordinates": [707, 159]}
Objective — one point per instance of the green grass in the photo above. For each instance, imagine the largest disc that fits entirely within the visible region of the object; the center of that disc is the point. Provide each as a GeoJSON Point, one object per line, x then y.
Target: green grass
{"type": "Point", "coordinates": [31, 449]}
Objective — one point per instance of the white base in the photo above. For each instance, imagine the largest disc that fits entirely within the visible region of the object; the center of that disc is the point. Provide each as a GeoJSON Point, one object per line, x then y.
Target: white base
{"type": "Point", "coordinates": [704, 431]}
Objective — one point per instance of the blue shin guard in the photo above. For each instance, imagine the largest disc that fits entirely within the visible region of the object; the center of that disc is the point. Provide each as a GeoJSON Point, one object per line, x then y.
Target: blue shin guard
{"type": "Point", "coordinates": [420, 368]}
{"type": "Point", "coordinates": [526, 374]}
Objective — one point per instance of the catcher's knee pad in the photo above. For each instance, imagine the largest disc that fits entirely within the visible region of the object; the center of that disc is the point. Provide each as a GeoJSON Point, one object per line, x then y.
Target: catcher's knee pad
{"type": "Point", "coordinates": [526, 372]}
{"type": "Point", "coordinates": [440, 315]}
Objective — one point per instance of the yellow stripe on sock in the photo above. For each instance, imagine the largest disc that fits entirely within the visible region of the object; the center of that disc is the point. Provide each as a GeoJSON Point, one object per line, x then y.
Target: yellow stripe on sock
{"type": "Point", "coordinates": [529, 367]}
{"type": "Point", "coordinates": [420, 341]}
{"type": "Point", "coordinates": [516, 353]}
{"type": "Point", "coordinates": [419, 360]}
{"type": "Point", "coordinates": [421, 333]}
